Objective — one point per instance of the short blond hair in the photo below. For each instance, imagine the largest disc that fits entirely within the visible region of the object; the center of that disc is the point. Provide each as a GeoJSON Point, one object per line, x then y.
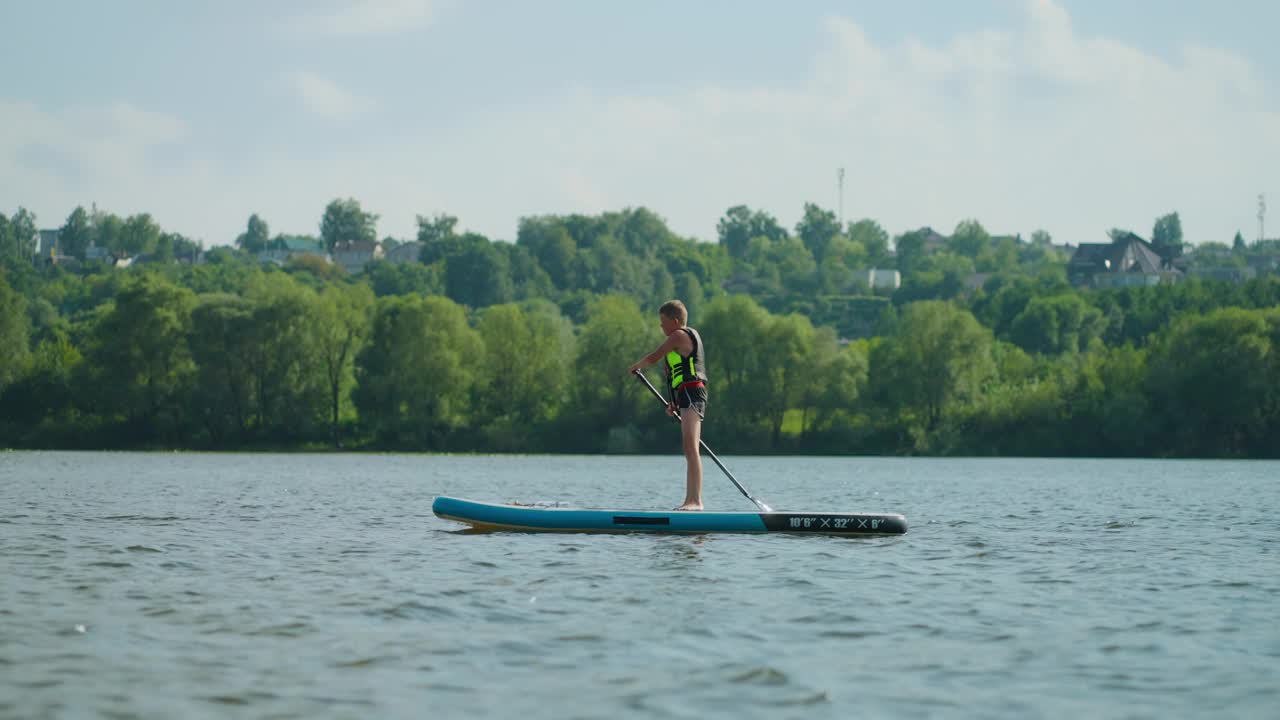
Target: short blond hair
{"type": "Point", "coordinates": [675, 310]}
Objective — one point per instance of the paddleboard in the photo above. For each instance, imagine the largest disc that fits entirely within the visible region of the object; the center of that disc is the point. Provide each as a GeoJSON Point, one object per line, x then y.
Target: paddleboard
{"type": "Point", "coordinates": [525, 518]}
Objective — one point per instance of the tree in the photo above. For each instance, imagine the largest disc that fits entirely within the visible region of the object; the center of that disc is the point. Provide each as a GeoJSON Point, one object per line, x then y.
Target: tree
{"type": "Point", "coordinates": [786, 375]}
{"type": "Point", "coordinates": [402, 278]}
{"type": "Point", "coordinates": [601, 397]}
{"type": "Point", "coordinates": [14, 333]}
{"type": "Point", "coordinates": [256, 237]}
{"type": "Point", "coordinates": [141, 359]}
{"type": "Point", "coordinates": [439, 241]}
{"type": "Point", "coordinates": [1057, 324]}
{"type": "Point", "coordinates": [970, 239]}
{"type": "Point", "coordinates": [1214, 379]}
{"type": "Point", "coordinates": [787, 260]}
{"type": "Point", "coordinates": [345, 222]}
{"type": "Point", "coordinates": [478, 276]}
{"type": "Point", "coordinates": [529, 280]}
{"type": "Point", "coordinates": [221, 341]}
{"type": "Point", "coordinates": [910, 248]}
{"type": "Point", "coordinates": [7, 250]}
{"type": "Point", "coordinates": [548, 240]}
{"type": "Point", "coordinates": [76, 234]}
{"type": "Point", "coordinates": [522, 370]}
{"type": "Point", "coordinates": [873, 238]}
{"type": "Point", "coordinates": [838, 376]}
{"type": "Point", "coordinates": [836, 273]}
{"type": "Point", "coordinates": [341, 324]}
{"type": "Point", "coordinates": [139, 234]}
{"type": "Point", "coordinates": [21, 236]}
{"type": "Point", "coordinates": [1041, 238]}
{"type": "Point", "coordinates": [414, 377]}
{"type": "Point", "coordinates": [108, 231]}
{"type": "Point", "coordinates": [642, 232]}
{"type": "Point", "coordinates": [288, 378]}
{"type": "Point", "coordinates": [1166, 236]}
{"type": "Point", "coordinates": [941, 356]}
{"type": "Point", "coordinates": [817, 229]}
{"type": "Point", "coordinates": [735, 328]}
{"type": "Point", "coordinates": [1238, 245]}
{"type": "Point", "coordinates": [739, 225]}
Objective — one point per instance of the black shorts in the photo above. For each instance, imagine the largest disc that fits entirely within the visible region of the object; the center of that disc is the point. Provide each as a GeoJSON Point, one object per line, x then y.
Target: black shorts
{"type": "Point", "coordinates": [694, 397]}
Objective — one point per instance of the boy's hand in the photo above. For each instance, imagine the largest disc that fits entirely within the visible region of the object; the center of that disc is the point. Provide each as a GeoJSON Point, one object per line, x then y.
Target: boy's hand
{"type": "Point", "coordinates": [671, 410]}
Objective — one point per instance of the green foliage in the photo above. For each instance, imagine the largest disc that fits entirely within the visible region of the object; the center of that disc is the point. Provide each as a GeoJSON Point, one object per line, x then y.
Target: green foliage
{"type": "Point", "coordinates": [1215, 382]}
{"type": "Point", "coordinates": [874, 240]}
{"type": "Point", "coordinates": [970, 239]}
{"type": "Point", "coordinates": [739, 225]}
{"type": "Point", "coordinates": [138, 235]}
{"type": "Point", "coordinates": [414, 376]}
{"type": "Point", "coordinates": [345, 222]}
{"type": "Point", "coordinates": [76, 235]}
{"type": "Point", "coordinates": [816, 229]}
{"type": "Point", "coordinates": [139, 359]}
{"type": "Point", "coordinates": [527, 351]}
{"type": "Point", "coordinates": [941, 357]}
{"type": "Point", "coordinates": [547, 239]}
{"type": "Point", "coordinates": [1166, 236]}
{"type": "Point", "coordinates": [256, 236]}
{"type": "Point", "coordinates": [523, 373]}
{"type": "Point", "coordinates": [221, 341]}
{"type": "Point", "coordinates": [601, 395]}
{"type": "Point", "coordinates": [910, 249]}
{"type": "Point", "coordinates": [403, 278]}
{"type": "Point", "coordinates": [18, 235]}
{"type": "Point", "coordinates": [14, 333]}
{"type": "Point", "coordinates": [736, 363]}
{"type": "Point", "coordinates": [339, 326]}
{"type": "Point", "coordinates": [1057, 324]}
{"type": "Point", "coordinates": [478, 276]}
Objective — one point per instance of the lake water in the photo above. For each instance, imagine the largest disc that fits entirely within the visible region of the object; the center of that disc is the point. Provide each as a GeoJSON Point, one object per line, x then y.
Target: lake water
{"type": "Point", "coordinates": [304, 586]}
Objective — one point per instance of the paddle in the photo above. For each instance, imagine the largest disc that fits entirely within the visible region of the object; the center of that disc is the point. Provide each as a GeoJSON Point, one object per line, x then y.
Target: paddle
{"type": "Point", "coordinates": [719, 464]}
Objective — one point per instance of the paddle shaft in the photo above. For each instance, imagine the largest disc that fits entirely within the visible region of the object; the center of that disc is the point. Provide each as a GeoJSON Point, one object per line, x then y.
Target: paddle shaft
{"type": "Point", "coordinates": [712, 455]}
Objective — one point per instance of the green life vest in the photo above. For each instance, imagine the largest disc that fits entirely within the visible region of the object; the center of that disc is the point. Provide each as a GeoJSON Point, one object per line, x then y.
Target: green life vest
{"type": "Point", "coordinates": [686, 370]}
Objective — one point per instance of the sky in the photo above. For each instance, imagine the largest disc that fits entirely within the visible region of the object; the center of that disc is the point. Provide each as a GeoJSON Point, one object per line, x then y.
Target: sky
{"type": "Point", "coordinates": [1069, 116]}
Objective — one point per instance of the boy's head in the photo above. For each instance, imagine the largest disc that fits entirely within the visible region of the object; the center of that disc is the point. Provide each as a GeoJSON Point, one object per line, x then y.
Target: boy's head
{"type": "Point", "coordinates": [675, 311]}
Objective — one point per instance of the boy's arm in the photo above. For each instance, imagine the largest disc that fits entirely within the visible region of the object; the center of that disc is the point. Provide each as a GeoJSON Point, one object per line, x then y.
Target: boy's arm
{"type": "Point", "coordinates": [672, 341]}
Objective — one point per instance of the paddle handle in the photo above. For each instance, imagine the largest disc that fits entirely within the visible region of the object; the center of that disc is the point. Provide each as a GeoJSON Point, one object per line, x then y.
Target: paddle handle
{"type": "Point", "coordinates": [716, 460]}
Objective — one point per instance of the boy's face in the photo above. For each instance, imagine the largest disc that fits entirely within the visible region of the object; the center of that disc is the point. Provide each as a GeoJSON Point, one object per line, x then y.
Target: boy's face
{"type": "Point", "coordinates": [669, 325]}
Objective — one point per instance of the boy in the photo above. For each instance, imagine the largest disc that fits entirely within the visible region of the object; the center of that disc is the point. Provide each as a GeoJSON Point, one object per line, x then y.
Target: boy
{"type": "Point", "coordinates": [687, 385]}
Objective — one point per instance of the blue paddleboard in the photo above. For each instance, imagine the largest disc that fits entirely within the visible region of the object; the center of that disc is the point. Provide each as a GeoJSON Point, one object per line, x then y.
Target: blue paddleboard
{"type": "Point", "coordinates": [525, 518]}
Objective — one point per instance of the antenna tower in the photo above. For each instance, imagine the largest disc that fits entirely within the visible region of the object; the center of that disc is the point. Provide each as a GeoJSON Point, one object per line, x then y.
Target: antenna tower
{"type": "Point", "coordinates": [1262, 216]}
{"type": "Point", "coordinates": [840, 185]}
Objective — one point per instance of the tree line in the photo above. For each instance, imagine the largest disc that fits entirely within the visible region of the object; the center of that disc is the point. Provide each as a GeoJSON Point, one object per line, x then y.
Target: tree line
{"type": "Point", "coordinates": [522, 346]}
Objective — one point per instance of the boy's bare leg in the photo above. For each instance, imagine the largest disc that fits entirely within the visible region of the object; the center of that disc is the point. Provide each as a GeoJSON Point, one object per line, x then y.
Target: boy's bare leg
{"type": "Point", "coordinates": [691, 433]}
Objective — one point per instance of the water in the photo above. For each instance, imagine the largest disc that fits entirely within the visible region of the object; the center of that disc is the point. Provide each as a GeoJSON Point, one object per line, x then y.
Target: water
{"type": "Point", "coordinates": [188, 585]}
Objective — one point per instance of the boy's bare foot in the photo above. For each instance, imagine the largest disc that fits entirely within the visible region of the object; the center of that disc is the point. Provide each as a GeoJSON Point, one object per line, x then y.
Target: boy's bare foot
{"type": "Point", "coordinates": [690, 506]}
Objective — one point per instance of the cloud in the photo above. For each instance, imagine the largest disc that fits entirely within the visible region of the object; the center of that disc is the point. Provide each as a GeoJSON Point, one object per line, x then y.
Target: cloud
{"type": "Point", "coordinates": [1032, 126]}
{"type": "Point", "coordinates": [368, 17]}
{"type": "Point", "coordinates": [1035, 125]}
{"type": "Point", "coordinates": [324, 97]}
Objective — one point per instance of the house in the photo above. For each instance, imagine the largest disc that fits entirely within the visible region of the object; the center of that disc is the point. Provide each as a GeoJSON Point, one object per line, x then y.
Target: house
{"type": "Point", "coordinates": [1126, 261]}
{"type": "Point", "coordinates": [1225, 273]}
{"type": "Point", "coordinates": [934, 242]}
{"type": "Point", "coordinates": [976, 281]}
{"type": "Point", "coordinates": [408, 252]}
{"type": "Point", "coordinates": [880, 279]}
{"type": "Point", "coordinates": [285, 247]}
{"type": "Point", "coordinates": [353, 256]}
{"type": "Point", "coordinates": [49, 243]}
